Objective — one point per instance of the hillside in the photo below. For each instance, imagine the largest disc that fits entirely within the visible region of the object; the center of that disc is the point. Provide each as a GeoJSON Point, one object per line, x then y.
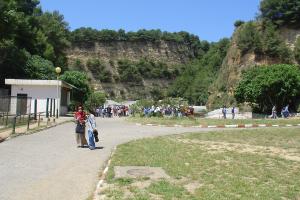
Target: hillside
{"type": "Point", "coordinates": [235, 62]}
{"type": "Point", "coordinates": [134, 67]}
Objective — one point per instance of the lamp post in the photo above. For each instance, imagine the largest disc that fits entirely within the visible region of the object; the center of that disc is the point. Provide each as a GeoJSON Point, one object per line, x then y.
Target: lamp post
{"type": "Point", "coordinates": [57, 70]}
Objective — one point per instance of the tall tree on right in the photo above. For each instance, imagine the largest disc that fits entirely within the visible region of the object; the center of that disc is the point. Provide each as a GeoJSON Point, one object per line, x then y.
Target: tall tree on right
{"type": "Point", "coordinates": [281, 12]}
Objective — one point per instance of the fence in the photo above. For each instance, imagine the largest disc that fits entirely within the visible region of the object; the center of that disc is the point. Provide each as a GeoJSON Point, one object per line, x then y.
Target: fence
{"type": "Point", "coordinates": [18, 115]}
{"type": "Point", "coordinates": [15, 105]}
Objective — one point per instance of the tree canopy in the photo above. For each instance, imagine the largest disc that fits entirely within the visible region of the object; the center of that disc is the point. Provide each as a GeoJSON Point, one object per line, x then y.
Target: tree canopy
{"type": "Point", "coordinates": [197, 76]}
{"type": "Point", "coordinates": [88, 36]}
{"type": "Point", "coordinates": [95, 100]}
{"type": "Point", "coordinates": [80, 81]}
{"type": "Point", "coordinates": [281, 12]}
{"type": "Point", "coordinates": [268, 86]}
{"type": "Point", "coordinates": [26, 31]}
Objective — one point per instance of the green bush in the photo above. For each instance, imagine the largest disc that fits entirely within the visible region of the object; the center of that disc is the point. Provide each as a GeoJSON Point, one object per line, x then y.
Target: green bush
{"type": "Point", "coordinates": [263, 39]}
{"type": "Point", "coordinates": [80, 81]}
{"type": "Point", "coordinates": [99, 70]}
{"type": "Point", "coordinates": [39, 68]}
{"type": "Point", "coordinates": [95, 100]}
{"type": "Point", "coordinates": [266, 86]}
{"type": "Point", "coordinates": [248, 38]}
{"type": "Point", "coordinates": [77, 65]}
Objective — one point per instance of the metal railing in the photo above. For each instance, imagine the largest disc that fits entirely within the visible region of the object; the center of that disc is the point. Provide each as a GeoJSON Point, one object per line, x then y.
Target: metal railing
{"type": "Point", "coordinates": [11, 123]}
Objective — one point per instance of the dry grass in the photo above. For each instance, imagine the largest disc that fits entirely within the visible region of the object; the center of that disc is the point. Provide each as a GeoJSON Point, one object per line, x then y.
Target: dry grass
{"type": "Point", "coordinates": [248, 164]}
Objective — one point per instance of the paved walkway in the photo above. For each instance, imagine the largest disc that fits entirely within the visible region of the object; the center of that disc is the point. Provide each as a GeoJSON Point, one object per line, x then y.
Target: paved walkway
{"type": "Point", "coordinates": [48, 165]}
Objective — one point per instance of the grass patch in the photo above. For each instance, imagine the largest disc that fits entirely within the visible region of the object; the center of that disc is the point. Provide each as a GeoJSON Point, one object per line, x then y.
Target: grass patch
{"type": "Point", "coordinates": [185, 121]}
{"type": "Point", "coordinates": [167, 190]}
{"type": "Point", "coordinates": [277, 137]}
{"type": "Point", "coordinates": [221, 173]}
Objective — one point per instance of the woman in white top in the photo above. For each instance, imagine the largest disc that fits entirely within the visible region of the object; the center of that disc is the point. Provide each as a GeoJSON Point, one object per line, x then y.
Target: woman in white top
{"type": "Point", "coordinates": [91, 124]}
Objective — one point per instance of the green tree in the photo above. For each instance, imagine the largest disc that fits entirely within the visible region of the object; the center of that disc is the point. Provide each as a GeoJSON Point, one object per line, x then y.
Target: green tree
{"type": "Point", "coordinates": [17, 37]}
{"type": "Point", "coordinates": [248, 38]}
{"type": "Point", "coordinates": [39, 68]}
{"type": "Point", "coordinates": [80, 81]}
{"type": "Point", "coordinates": [238, 23]}
{"type": "Point", "coordinates": [273, 45]}
{"type": "Point", "coordinates": [56, 32]}
{"type": "Point", "coordinates": [281, 12]}
{"type": "Point", "coordinates": [129, 72]}
{"type": "Point", "coordinates": [99, 70]}
{"type": "Point", "coordinates": [24, 31]}
{"type": "Point", "coordinates": [197, 76]}
{"type": "Point", "coordinates": [266, 86]}
{"type": "Point", "coordinates": [95, 100]}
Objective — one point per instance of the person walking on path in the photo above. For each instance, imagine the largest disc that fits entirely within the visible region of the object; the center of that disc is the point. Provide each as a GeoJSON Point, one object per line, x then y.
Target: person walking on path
{"type": "Point", "coordinates": [274, 114]}
{"type": "Point", "coordinates": [224, 112]}
{"type": "Point", "coordinates": [80, 118]}
{"type": "Point", "coordinates": [91, 122]}
{"type": "Point", "coordinates": [233, 112]}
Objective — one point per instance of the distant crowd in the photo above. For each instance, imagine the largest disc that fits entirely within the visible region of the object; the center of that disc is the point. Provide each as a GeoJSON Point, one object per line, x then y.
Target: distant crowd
{"type": "Point", "coordinates": [168, 111]}
{"type": "Point", "coordinates": [112, 111]}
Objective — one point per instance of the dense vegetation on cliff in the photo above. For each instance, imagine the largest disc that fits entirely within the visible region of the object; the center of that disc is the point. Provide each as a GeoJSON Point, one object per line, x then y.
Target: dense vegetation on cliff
{"type": "Point", "coordinates": [194, 82]}
{"type": "Point", "coordinates": [88, 36]}
{"type": "Point", "coordinates": [273, 38]}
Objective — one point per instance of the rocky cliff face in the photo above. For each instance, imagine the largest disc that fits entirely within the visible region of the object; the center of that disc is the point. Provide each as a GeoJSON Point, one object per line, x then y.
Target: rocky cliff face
{"type": "Point", "coordinates": [222, 91]}
{"type": "Point", "coordinates": [169, 53]}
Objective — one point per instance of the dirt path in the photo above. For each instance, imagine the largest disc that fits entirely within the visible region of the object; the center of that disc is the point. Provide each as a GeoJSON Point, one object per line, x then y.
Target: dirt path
{"type": "Point", "coordinates": [48, 165]}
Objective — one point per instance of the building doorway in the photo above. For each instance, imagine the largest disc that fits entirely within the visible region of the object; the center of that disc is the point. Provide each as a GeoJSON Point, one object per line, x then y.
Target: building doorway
{"type": "Point", "coordinates": [22, 104]}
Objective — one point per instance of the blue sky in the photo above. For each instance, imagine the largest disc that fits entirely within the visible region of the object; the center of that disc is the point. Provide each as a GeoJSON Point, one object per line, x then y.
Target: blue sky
{"type": "Point", "coordinates": [209, 19]}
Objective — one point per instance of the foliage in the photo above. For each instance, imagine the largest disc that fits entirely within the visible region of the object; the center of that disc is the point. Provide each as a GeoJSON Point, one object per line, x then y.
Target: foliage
{"type": "Point", "coordinates": [95, 100]}
{"type": "Point", "coordinates": [248, 38]}
{"type": "Point", "coordinates": [39, 68]}
{"type": "Point", "coordinates": [145, 103]}
{"type": "Point", "coordinates": [238, 23]}
{"type": "Point", "coordinates": [56, 32]}
{"type": "Point", "coordinates": [297, 50]}
{"type": "Point", "coordinates": [80, 81]}
{"type": "Point", "coordinates": [197, 76]}
{"type": "Point", "coordinates": [88, 36]}
{"type": "Point", "coordinates": [262, 39]}
{"type": "Point", "coordinates": [77, 65]}
{"type": "Point", "coordinates": [266, 86]}
{"type": "Point", "coordinates": [157, 93]}
{"type": "Point", "coordinates": [273, 45]}
{"type": "Point", "coordinates": [281, 12]}
{"type": "Point", "coordinates": [99, 70]}
{"type": "Point", "coordinates": [129, 72]}
{"type": "Point", "coordinates": [25, 30]}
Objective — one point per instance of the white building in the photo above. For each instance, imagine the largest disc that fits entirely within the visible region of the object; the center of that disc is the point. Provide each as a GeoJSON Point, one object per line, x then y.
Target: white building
{"type": "Point", "coordinates": [25, 92]}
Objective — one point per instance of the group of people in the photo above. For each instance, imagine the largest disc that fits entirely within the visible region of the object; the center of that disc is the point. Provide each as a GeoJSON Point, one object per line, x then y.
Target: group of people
{"type": "Point", "coordinates": [284, 112]}
{"type": "Point", "coordinates": [112, 111]}
{"type": "Point", "coordinates": [168, 111]}
{"type": "Point", "coordinates": [82, 119]}
{"type": "Point", "coordinates": [224, 112]}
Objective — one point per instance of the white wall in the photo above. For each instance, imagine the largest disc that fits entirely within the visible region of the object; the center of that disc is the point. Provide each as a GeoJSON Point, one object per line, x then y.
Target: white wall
{"type": "Point", "coordinates": [36, 92]}
{"type": "Point", "coordinates": [41, 93]}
